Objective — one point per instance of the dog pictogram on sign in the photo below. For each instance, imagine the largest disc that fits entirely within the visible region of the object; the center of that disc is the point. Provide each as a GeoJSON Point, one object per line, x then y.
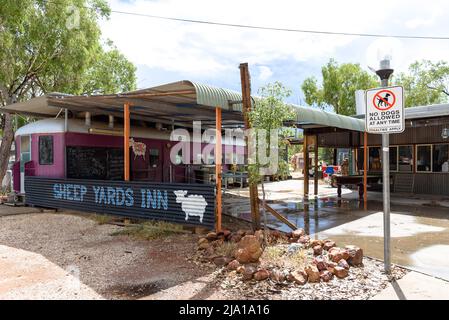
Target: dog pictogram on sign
{"type": "Point", "coordinates": [384, 100]}
{"type": "Point", "coordinates": [385, 110]}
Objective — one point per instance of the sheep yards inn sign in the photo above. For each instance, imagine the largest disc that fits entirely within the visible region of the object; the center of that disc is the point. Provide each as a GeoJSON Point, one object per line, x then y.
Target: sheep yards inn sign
{"type": "Point", "coordinates": [192, 204]}
{"type": "Point", "coordinates": [385, 110]}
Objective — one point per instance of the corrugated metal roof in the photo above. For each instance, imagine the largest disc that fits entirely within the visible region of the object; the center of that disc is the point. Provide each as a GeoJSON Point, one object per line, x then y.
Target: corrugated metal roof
{"type": "Point", "coordinates": [307, 116]}
{"type": "Point", "coordinates": [213, 96]}
{"type": "Point", "coordinates": [421, 112]}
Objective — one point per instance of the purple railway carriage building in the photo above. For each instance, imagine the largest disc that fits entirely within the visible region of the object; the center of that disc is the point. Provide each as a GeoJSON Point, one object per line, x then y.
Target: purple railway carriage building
{"type": "Point", "coordinates": [74, 155]}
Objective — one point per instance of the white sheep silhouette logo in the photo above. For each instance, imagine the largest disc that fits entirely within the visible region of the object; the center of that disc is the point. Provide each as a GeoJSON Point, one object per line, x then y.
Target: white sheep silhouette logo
{"type": "Point", "coordinates": [193, 205]}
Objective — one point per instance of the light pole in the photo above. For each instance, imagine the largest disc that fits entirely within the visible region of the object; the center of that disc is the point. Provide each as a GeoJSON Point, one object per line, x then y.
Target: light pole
{"type": "Point", "coordinates": [384, 74]}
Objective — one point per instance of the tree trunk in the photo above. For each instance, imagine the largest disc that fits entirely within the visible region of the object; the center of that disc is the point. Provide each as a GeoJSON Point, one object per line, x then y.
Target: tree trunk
{"type": "Point", "coordinates": [5, 147]}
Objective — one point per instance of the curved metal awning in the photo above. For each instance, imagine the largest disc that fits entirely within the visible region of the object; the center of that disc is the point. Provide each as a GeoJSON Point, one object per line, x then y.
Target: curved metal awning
{"type": "Point", "coordinates": [176, 103]}
{"type": "Point", "coordinates": [307, 117]}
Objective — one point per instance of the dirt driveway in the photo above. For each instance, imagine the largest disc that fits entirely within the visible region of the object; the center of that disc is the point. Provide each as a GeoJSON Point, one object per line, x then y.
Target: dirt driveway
{"type": "Point", "coordinates": [67, 245]}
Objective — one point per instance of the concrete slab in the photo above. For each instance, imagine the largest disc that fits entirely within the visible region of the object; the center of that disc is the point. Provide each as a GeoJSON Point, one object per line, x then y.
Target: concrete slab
{"type": "Point", "coordinates": [415, 286]}
{"type": "Point", "coordinates": [30, 276]}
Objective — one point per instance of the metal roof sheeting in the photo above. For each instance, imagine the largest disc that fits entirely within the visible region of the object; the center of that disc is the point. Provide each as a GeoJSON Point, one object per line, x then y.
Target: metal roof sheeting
{"type": "Point", "coordinates": [217, 97]}
{"type": "Point", "coordinates": [306, 116]}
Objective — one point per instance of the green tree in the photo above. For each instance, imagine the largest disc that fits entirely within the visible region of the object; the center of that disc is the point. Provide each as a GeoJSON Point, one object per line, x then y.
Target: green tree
{"type": "Point", "coordinates": [340, 81]}
{"type": "Point", "coordinates": [50, 46]}
{"type": "Point", "coordinates": [270, 113]}
{"type": "Point", "coordinates": [425, 83]}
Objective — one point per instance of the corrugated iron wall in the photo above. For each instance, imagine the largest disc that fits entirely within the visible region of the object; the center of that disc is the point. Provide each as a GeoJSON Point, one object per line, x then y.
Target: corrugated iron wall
{"type": "Point", "coordinates": [192, 204]}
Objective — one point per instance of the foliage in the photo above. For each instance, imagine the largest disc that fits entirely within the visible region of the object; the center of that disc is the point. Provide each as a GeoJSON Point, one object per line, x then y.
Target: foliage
{"type": "Point", "coordinates": [150, 230]}
{"type": "Point", "coordinates": [338, 87]}
{"type": "Point", "coordinates": [54, 46]}
{"type": "Point", "coordinates": [425, 83]}
{"type": "Point", "coordinates": [270, 113]}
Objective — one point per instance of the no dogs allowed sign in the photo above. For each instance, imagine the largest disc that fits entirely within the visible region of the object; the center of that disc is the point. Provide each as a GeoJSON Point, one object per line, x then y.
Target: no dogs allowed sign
{"type": "Point", "coordinates": [385, 110]}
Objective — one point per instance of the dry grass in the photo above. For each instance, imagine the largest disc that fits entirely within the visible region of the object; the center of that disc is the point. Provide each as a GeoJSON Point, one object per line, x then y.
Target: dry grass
{"type": "Point", "coordinates": [277, 255]}
{"type": "Point", "coordinates": [150, 230]}
{"type": "Point", "coordinates": [226, 249]}
{"type": "Point", "coordinates": [102, 218]}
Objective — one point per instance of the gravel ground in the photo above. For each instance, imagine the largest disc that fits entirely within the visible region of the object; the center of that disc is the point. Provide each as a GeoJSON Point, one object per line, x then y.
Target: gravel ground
{"type": "Point", "coordinates": [361, 284]}
{"type": "Point", "coordinates": [115, 267]}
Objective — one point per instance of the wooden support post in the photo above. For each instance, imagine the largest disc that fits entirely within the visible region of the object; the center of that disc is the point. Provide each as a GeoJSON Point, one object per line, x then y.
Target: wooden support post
{"type": "Point", "coordinates": [315, 169]}
{"type": "Point", "coordinates": [246, 102]}
{"type": "Point", "coordinates": [126, 133]}
{"type": "Point", "coordinates": [305, 150]}
{"type": "Point", "coordinates": [218, 152]}
{"type": "Point", "coordinates": [365, 170]}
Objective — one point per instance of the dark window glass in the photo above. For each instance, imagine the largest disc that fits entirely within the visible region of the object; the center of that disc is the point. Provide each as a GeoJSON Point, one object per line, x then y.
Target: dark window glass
{"type": "Point", "coordinates": [406, 158]}
{"type": "Point", "coordinates": [46, 150]}
{"type": "Point", "coordinates": [374, 159]}
{"type": "Point", "coordinates": [440, 158]}
{"type": "Point", "coordinates": [393, 158]}
{"type": "Point", "coordinates": [423, 158]}
{"type": "Point", "coordinates": [154, 157]}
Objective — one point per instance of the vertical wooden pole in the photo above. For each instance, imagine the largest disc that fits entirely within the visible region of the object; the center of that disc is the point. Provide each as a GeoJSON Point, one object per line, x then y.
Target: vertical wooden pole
{"type": "Point", "coordinates": [305, 150]}
{"type": "Point", "coordinates": [365, 170]}
{"type": "Point", "coordinates": [218, 152]}
{"type": "Point", "coordinates": [315, 169]}
{"type": "Point", "coordinates": [126, 129]}
{"type": "Point", "coordinates": [246, 102]}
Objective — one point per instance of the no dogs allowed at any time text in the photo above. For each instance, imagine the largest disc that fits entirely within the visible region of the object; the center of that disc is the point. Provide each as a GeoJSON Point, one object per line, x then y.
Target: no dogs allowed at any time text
{"type": "Point", "coordinates": [385, 110]}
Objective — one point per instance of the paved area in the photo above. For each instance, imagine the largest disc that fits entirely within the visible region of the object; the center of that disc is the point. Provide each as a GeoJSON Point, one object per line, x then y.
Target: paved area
{"type": "Point", "coordinates": [415, 286]}
{"type": "Point", "coordinates": [30, 276]}
{"type": "Point", "coordinates": [419, 224]}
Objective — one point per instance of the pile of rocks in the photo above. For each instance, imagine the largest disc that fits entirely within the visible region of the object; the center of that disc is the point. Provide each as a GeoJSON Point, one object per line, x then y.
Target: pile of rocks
{"type": "Point", "coordinates": [323, 259]}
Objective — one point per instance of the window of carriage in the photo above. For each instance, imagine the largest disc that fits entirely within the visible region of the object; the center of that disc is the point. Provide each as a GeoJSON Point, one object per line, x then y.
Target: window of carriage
{"type": "Point", "coordinates": [440, 158]}
{"type": "Point", "coordinates": [424, 158]}
{"type": "Point", "coordinates": [374, 159]}
{"type": "Point", "coordinates": [46, 150]}
{"type": "Point", "coordinates": [405, 158]}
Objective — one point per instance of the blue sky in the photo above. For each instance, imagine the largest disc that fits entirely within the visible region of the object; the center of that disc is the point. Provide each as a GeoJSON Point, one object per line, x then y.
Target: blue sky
{"type": "Point", "coordinates": [166, 51]}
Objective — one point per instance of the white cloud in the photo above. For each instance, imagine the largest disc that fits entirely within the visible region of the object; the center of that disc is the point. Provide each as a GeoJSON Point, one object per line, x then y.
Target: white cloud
{"type": "Point", "coordinates": [199, 50]}
{"type": "Point", "coordinates": [264, 73]}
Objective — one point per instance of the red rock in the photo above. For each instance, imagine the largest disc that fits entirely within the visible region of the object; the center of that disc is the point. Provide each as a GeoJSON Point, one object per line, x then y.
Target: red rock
{"type": "Point", "coordinates": [248, 273]}
{"type": "Point", "coordinates": [326, 275]}
{"type": "Point", "coordinates": [262, 275]}
{"type": "Point", "coordinates": [340, 272]}
{"type": "Point", "coordinates": [320, 263]}
{"type": "Point", "coordinates": [304, 239]}
{"type": "Point", "coordinates": [328, 245]}
{"type": "Point", "coordinates": [211, 236]}
{"type": "Point", "coordinates": [227, 234]}
{"type": "Point", "coordinates": [355, 255]}
{"type": "Point", "coordinates": [331, 266]}
{"type": "Point", "coordinates": [233, 265]}
{"type": "Point", "coordinates": [313, 273]}
{"type": "Point", "coordinates": [336, 254]}
{"type": "Point", "coordinates": [317, 250]}
{"type": "Point", "coordinates": [297, 233]}
{"type": "Point", "coordinates": [344, 264]}
{"type": "Point", "coordinates": [299, 277]}
{"type": "Point", "coordinates": [277, 275]}
{"type": "Point", "coordinates": [221, 261]}
{"type": "Point", "coordinates": [248, 250]}
{"type": "Point", "coordinates": [316, 242]}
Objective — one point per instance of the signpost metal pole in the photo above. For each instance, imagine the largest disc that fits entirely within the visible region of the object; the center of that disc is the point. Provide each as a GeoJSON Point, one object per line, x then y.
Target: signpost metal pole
{"type": "Point", "coordinates": [386, 197]}
{"type": "Point", "coordinates": [384, 74]}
